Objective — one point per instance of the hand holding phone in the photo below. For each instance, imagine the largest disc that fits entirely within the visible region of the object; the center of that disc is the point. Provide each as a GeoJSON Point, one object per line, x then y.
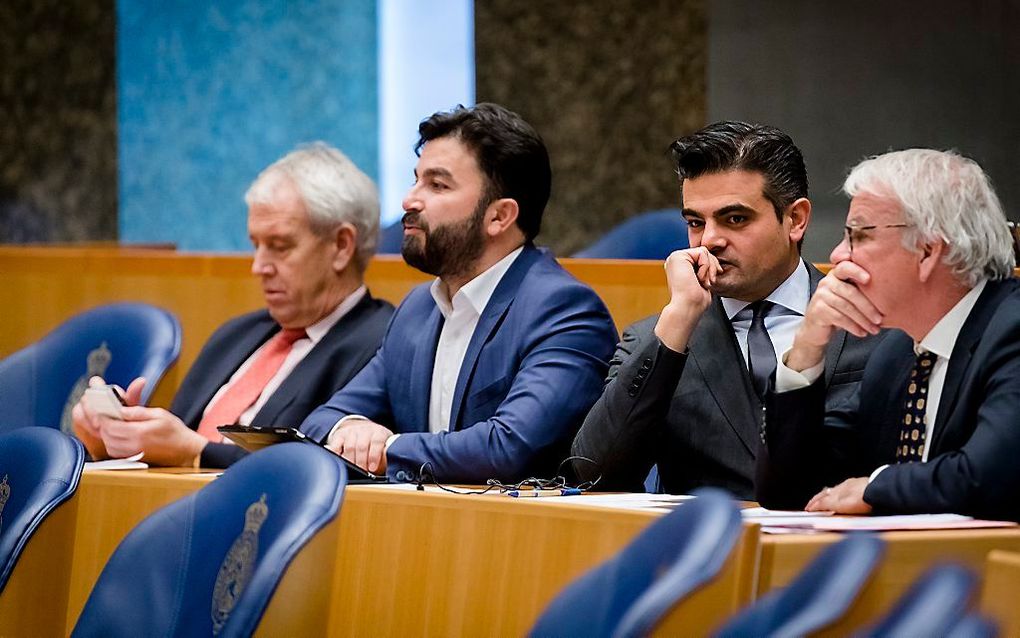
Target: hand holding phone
{"type": "Point", "coordinates": [106, 400]}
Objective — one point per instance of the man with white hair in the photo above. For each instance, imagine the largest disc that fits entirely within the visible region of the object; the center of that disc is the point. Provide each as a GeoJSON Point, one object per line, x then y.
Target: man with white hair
{"type": "Point", "coordinates": [313, 220]}
{"type": "Point", "coordinates": [935, 423]}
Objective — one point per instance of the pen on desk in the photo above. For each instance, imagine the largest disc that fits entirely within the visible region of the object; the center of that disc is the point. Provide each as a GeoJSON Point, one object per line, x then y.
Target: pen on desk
{"type": "Point", "coordinates": [567, 491]}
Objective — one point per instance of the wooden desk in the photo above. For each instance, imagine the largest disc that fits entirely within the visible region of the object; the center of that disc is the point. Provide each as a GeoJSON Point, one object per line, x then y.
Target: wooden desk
{"type": "Point", "coordinates": [907, 556]}
{"type": "Point", "coordinates": [401, 562]}
{"type": "Point", "coordinates": [397, 561]}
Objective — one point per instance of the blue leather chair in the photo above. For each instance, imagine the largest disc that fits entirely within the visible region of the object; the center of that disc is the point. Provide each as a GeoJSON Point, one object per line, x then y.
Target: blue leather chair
{"type": "Point", "coordinates": [390, 239]}
{"type": "Point", "coordinates": [628, 594]}
{"type": "Point", "coordinates": [974, 626]}
{"type": "Point", "coordinates": [933, 605]}
{"type": "Point", "coordinates": [818, 597]}
{"type": "Point", "coordinates": [209, 563]}
{"type": "Point", "coordinates": [651, 235]}
{"type": "Point", "coordinates": [40, 383]}
{"type": "Point", "coordinates": [39, 470]}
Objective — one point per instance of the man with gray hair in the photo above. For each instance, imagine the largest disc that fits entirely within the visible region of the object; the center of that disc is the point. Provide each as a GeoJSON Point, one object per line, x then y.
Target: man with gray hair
{"type": "Point", "coordinates": [313, 220]}
{"type": "Point", "coordinates": [935, 424]}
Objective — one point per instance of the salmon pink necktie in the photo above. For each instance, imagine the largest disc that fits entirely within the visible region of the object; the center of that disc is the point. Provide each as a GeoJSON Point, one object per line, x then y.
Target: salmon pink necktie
{"type": "Point", "coordinates": [247, 389]}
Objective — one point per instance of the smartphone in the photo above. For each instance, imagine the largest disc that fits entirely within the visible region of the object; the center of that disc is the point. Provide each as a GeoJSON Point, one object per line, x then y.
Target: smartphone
{"type": "Point", "coordinates": [106, 400]}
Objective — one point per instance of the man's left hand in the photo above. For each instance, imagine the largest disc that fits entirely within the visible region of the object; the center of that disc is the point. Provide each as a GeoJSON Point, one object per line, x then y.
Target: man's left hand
{"type": "Point", "coordinates": [845, 498]}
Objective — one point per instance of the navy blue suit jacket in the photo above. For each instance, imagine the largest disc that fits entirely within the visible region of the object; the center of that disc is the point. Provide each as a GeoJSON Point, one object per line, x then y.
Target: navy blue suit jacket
{"type": "Point", "coordinates": [972, 459]}
{"type": "Point", "coordinates": [338, 356]}
{"type": "Point", "coordinates": [533, 368]}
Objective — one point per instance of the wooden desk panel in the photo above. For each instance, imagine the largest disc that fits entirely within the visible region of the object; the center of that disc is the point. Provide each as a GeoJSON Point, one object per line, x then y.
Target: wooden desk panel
{"type": "Point", "coordinates": [1001, 590]}
{"type": "Point", "coordinates": [401, 562]}
{"type": "Point", "coordinates": [907, 556]}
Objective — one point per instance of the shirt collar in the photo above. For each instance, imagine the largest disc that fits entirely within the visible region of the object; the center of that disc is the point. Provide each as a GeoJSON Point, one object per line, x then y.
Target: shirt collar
{"type": "Point", "coordinates": [942, 337]}
{"type": "Point", "coordinates": [792, 294]}
{"type": "Point", "coordinates": [475, 293]}
{"type": "Point", "coordinates": [318, 330]}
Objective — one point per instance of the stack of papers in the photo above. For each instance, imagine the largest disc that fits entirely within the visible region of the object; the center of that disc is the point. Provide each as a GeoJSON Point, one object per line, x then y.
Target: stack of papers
{"type": "Point", "coordinates": [130, 463]}
{"type": "Point", "coordinates": [799, 522]}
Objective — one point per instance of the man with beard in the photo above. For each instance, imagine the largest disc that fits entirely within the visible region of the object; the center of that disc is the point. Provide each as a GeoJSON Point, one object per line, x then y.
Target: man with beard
{"type": "Point", "coordinates": [313, 221]}
{"type": "Point", "coordinates": [685, 387]}
{"type": "Point", "coordinates": [487, 372]}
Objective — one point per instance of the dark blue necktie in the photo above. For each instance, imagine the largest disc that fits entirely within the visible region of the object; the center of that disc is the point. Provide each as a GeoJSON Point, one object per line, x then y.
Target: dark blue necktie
{"type": "Point", "coordinates": [761, 356]}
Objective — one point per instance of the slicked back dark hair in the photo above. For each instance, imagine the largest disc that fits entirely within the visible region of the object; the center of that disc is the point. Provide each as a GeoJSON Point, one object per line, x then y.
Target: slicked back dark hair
{"type": "Point", "coordinates": [509, 151]}
{"type": "Point", "coordinates": [731, 145]}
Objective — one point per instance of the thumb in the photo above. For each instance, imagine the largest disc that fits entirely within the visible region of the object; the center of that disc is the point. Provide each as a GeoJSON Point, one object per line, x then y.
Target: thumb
{"type": "Point", "coordinates": [133, 394]}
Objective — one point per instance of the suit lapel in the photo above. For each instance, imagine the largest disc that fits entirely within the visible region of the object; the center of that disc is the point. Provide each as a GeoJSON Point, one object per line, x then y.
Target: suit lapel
{"type": "Point", "coordinates": [960, 359]}
{"type": "Point", "coordinates": [422, 364]}
{"type": "Point", "coordinates": [488, 322]}
{"type": "Point", "coordinates": [714, 349]}
{"type": "Point", "coordinates": [835, 347]}
{"type": "Point", "coordinates": [224, 367]}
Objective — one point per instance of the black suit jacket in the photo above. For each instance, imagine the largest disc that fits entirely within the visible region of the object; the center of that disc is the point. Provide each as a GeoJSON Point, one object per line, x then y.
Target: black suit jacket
{"type": "Point", "coordinates": [973, 462]}
{"type": "Point", "coordinates": [695, 415]}
{"type": "Point", "coordinates": [338, 356]}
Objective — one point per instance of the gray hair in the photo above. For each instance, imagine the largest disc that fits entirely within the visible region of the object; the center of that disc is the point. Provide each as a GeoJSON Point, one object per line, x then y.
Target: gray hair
{"type": "Point", "coordinates": [947, 197]}
{"type": "Point", "coordinates": [334, 191]}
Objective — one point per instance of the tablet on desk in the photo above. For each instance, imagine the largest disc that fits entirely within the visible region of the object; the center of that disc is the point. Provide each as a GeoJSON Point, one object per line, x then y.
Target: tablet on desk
{"type": "Point", "coordinates": [255, 437]}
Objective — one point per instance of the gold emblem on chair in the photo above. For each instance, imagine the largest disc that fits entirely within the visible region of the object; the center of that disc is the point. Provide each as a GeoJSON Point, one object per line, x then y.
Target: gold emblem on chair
{"type": "Point", "coordinates": [95, 366]}
{"type": "Point", "coordinates": [237, 567]}
{"type": "Point", "coordinates": [5, 493]}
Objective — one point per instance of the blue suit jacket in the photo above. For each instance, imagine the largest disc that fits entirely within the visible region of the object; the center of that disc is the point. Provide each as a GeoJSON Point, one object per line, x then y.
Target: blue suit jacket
{"type": "Point", "coordinates": [341, 353]}
{"type": "Point", "coordinates": [533, 368]}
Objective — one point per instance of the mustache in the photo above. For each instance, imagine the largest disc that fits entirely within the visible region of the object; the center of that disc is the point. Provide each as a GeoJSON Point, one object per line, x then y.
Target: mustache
{"type": "Point", "coordinates": [413, 220]}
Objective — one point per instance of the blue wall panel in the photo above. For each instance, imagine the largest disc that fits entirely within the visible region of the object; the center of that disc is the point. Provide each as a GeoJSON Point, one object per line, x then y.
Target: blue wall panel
{"type": "Point", "coordinates": [208, 95]}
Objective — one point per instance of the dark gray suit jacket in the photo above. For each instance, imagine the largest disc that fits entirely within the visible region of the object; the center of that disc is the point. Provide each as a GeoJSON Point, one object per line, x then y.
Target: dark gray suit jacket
{"type": "Point", "coordinates": [338, 356]}
{"type": "Point", "coordinates": [695, 415]}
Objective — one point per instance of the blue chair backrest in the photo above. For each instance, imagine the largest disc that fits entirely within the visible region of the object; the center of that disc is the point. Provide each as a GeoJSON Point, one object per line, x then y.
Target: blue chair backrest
{"type": "Point", "coordinates": [651, 235]}
{"type": "Point", "coordinates": [631, 592]}
{"type": "Point", "coordinates": [390, 239]}
{"type": "Point", "coordinates": [39, 470]}
{"type": "Point", "coordinates": [817, 597]}
{"type": "Point", "coordinates": [974, 626]}
{"type": "Point", "coordinates": [935, 603]}
{"type": "Point", "coordinates": [40, 383]}
{"type": "Point", "coordinates": [209, 563]}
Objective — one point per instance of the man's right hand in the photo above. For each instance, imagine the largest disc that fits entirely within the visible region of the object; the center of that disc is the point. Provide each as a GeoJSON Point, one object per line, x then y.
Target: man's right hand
{"type": "Point", "coordinates": [690, 275]}
{"type": "Point", "coordinates": [87, 424]}
{"type": "Point", "coordinates": [837, 303]}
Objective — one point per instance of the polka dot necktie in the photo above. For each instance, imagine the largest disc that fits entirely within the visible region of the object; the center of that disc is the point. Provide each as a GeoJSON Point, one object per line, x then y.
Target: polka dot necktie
{"type": "Point", "coordinates": [912, 428]}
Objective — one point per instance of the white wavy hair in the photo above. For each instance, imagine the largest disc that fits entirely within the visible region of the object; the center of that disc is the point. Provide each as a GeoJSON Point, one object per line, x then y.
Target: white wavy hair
{"type": "Point", "coordinates": [334, 190]}
{"type": "Point", "coordinates": [947, 197]}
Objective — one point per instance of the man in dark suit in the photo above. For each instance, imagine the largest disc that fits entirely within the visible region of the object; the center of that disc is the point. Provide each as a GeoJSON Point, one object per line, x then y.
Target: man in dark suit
{"type": "Point", "coordinates": [682, 393]}
{"type": "Point", "coordinates": [313, 219]}
{"type": "Point", "coordinates": [935, 424]}
{"type": "Point", "coordinates": [488, 371]}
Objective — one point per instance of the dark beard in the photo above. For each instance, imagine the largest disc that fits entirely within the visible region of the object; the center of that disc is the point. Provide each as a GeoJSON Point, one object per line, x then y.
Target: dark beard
{"type": "Point", "coordinates": [450, 250]}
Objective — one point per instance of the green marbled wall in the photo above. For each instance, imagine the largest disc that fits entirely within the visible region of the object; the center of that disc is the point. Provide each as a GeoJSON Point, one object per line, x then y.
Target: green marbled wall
{"type": "Point", "coordinates": [58, 121]}
{"type": "Point", "coordinates": [608, 85]}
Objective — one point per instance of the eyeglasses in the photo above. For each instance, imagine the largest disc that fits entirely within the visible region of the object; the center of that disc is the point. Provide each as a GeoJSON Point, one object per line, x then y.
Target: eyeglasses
{"type": "Point", "coordinates": [854, 233]}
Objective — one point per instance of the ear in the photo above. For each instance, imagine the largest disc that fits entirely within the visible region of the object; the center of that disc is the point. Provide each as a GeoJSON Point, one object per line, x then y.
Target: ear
{"type": "Point", "coordinates": [500, 216]}
{"type": "Point", "coordinates": [930, 257]}
{"type": "Point", "coordinates": [345, 243]}
{"type": "Point", "coordinates": [799, 216]}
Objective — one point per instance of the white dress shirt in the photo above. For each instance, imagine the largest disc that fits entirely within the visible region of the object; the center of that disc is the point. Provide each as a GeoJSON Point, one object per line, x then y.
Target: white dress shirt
{"type": "Point", "coordinates": [940, 341]}
{"type": "Point", "coordinates": [460, 316]}
{"type": "Point", "coordinates": [300, 349]}
{"type": "Point", "coordinates": [791, 300]}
